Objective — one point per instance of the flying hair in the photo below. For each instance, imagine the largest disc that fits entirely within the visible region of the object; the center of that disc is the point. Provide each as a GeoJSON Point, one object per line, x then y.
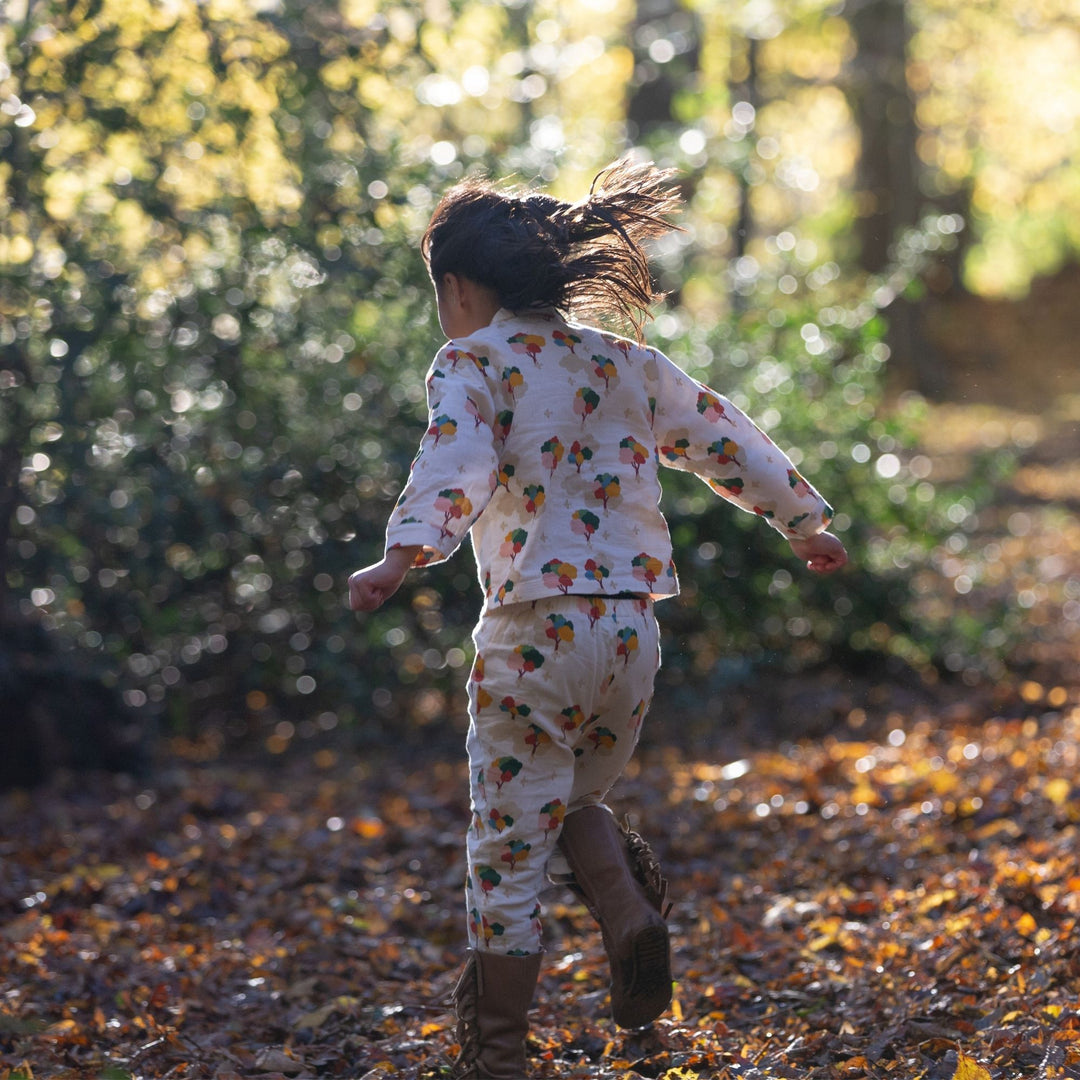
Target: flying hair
{"type": "Point", "coordinates": [585, 259]}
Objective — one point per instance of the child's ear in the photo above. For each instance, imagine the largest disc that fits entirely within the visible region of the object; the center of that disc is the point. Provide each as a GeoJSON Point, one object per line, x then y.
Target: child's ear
{"type": "Point", "coordinates": [453, 289]}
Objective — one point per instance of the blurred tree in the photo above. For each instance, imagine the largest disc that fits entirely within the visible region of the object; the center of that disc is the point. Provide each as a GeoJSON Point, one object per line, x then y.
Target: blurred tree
{"type": "Point", "coordinates": [888, 196]}
{"type": "Point", "coordinates": [214, 322]}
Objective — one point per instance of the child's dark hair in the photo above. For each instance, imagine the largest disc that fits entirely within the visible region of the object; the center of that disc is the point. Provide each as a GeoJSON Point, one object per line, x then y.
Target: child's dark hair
{"type": "Point", "coordinates": [536, 251]}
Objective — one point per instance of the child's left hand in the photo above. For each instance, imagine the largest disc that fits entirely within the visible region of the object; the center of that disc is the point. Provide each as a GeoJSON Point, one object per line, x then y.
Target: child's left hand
{"type": "Point", "coordinates": [823, 553]}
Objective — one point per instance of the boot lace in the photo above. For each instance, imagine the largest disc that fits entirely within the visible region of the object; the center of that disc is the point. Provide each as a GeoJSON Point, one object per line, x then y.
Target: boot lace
{"type": "Point", "coordinates": [646, 869]}
{"type": "Point", "coordinates": [465, 999]}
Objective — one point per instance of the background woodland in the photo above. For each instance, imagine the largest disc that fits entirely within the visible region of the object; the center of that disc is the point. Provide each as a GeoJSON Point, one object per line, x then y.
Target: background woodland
{"type": "Point", "coordinates": [230, 839]}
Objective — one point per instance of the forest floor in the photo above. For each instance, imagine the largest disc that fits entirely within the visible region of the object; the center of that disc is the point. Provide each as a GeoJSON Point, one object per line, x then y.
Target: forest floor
{"type": "Point", "coordinates": [897, 896]}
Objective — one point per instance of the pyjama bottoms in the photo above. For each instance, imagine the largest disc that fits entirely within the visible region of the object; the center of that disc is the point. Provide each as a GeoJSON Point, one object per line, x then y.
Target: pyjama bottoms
{"type": "Point", "coordinates": [557, 694]}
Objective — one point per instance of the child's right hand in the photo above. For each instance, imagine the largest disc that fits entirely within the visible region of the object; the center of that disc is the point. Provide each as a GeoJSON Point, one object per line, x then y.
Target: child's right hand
{"type": "Point", "coordinates": [823, 553]}
{"type": "Point", "coordinates": [371, 587]}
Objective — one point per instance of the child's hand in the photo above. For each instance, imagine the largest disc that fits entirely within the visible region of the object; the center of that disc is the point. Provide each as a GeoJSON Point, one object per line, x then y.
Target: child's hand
{"type": "Point", "coordinates": [823, 553]}
{"type": "Point", "coordinates": [374, 585]}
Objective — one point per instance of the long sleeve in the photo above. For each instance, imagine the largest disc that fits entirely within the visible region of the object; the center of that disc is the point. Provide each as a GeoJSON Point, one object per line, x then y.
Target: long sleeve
{"type": "Point", "coordinates": [455, 470]}
{"type": "Point", "coordinates": [702, 432]}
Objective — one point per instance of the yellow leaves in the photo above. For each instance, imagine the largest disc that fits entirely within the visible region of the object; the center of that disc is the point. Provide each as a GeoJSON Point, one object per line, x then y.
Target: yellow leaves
{"type": "Point", "coordinates": [968, 1068]}
{"type": "Point", "coordinates": [339, 73]}
{"type": "Point", "coordinates": [1026, 924]}
{"type": "Point", "coordinates": [1058, 791]}
{"type": "Point", "coordinates": [15, 250]}
{"type": "Point", "coordinates": [936, 900]}
{"type": "Point", "coordinates": [359, 12]}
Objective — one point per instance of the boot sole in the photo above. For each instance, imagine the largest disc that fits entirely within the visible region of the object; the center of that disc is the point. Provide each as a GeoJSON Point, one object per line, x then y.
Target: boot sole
{"type": "Point", "coordinates": [647, 991]}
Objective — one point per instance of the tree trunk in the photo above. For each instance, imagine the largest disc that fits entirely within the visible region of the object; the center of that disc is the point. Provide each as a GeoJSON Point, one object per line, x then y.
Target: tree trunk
{"type": "Point", "coordinates": [887, 193]}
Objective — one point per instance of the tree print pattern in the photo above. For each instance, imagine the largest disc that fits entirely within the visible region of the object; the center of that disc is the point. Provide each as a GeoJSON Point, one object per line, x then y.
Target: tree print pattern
{"type": "Point", "coordinates": [579, 454]}
{"type": "Point", "coordinates": [540, 445]}
{"type": "Point", "coordinates": [584, 523]}
{"type": "Point", "coordinates": [538, 751]}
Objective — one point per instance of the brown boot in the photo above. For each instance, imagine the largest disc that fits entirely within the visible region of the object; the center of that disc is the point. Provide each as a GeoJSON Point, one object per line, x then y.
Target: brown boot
{"type": "Point", "coordinates": [492, 1000]}
{"type": "Point", "coordinates": [620, 881]}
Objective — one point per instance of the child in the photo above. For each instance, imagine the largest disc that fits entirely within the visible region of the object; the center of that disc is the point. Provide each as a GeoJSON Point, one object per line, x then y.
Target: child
{"type": "Point", "coordinates": [544, 442]}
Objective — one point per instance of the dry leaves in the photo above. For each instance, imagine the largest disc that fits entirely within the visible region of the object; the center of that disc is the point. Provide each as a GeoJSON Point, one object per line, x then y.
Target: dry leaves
{"type": "Point", "coordinates": [904, 907]}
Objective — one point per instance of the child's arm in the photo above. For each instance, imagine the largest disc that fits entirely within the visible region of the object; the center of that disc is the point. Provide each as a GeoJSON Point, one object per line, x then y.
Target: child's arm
{"type": "Point", "coordinates": [822, 553]}
{"type": "Point", "coordinates": [702, 432]}
{"type": "Point", "coordinates": [374, 585]}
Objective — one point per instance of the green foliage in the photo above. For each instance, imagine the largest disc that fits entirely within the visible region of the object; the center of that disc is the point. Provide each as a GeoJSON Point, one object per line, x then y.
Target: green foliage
{"type": "Point", "coordinates": [811, 369]}
{"type": "Point", "coordinates": [215, 325]}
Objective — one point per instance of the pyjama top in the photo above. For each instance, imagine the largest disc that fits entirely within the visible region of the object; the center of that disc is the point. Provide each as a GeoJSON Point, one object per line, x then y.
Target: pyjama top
{"type": "Point", "coordinates": [545, 440]}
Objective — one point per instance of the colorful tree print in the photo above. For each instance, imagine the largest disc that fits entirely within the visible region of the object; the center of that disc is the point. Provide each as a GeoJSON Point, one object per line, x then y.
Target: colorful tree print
{"type": "Point", "coordinates": [512, 379]}
{"type": "Point", "coordinates": [514, 708]}
{"type": "Point", "coordinates": [442, 426]}
{"type": "Point", "coordinates": [514, 852]}
{"type": "Point", "coordinates": [536, 737]}
{"type": "Point", "coordinates": [712, 408]}
{"type": "Point", "coordinates": [482, 363]}
{"type": "Point", "coordinates": [607, 488]}
{"type": "Point", "coordinates": [473, 410]}
{"type": "Point", "coordinates": [584, 523]}
{"type": "Point", "coordinates": [798, 484]}
{"type": "Point", "coordinates": [621, 344]}
{"type": "Point", "coordinates": [628, 643]}
{"type": "Point", "coordinates": [567, 341]}
{"type": "Point", "coordinates": [729, 487]}
{"type": "Point", "coordinates": [504, 769]}
{"type": "Point", "coordinates": [585, 402]}
{"type": "Point", "coordinates": [573, 716]}
{"type": "Point", "coordinates": [492, 930]}
{"type": "Point", "coordinates": [455, 355]}
{"type": "Point", "coordinates": [513, 543]}
{"type": "Point", "coordinates": [647, 568]}
{"type": "Point", "coordinates": [454, 504]}
{"type": "Point", "coordinates": [489, 878]}
{"type": "Point", "coordinates": [528, 344]}
{"type": "Point", "coordinates": [559, 629]}
{"type": "Point", "coordinates": [501, 427]}
{"type": "Point", "coordinates": [505, 589]}
{"type": "Point", "coordinates": [534, 498]}
{"type": "Point", "coordinates": [560, 575]}
{"type": "Point", "coordinates": [597, 572]}
{"type": "Point", "coordinates": [483, 698]}
{"type": "Point", "coordinates": [552, 815]}
{"type": "Point", "coordinates": [724, 450]}
{"type": "Point", "coordinates": [504, 475]}
{"type": "Point", "coordinates": [676, 451]}
{"type": "Point", "coordinates": [498, 820]}
{"type": "Point", "coordinates": [551, 453]}
{"type": "Point", "coordinates": [579, 454]}
{"type": "Point", "coordinates": [594, 607]}
{"type": "Point", "coordinates": [604, 368]}
{"type": "Point", "coordinates": [528, 658]}
{"type": "Point", "coordinates": [602, 738]}
{"type": "Point", "coordinates": [631, 452]}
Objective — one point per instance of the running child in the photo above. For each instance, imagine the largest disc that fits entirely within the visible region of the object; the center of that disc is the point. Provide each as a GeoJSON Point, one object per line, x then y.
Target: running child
{"type": "Point", "coordinates": [544, 443]}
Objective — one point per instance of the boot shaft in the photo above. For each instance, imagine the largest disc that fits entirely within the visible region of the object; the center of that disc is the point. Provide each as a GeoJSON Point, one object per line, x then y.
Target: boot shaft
{"type": "Point", "coordinates": [492, 1000]}
{"type": "Point", "coordinates": [619, 879]}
